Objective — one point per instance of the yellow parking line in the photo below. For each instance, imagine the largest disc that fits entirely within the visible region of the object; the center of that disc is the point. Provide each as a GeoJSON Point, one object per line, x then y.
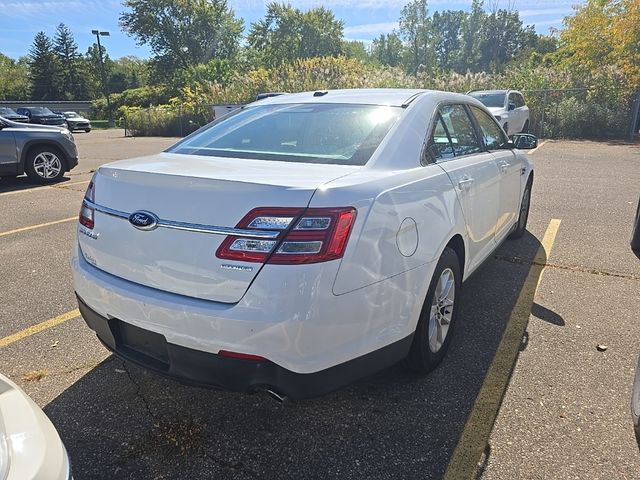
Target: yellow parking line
{"type": "Point", "coordinates": [475, 435]}
{"type": "Point", "coordinates": [33, 227]}
{"type": "Point", "coordinates": [540, 145]}
{"type": "Point", "coordinates": [45, 187]}
{"type": "Point", "coordinates": [52, 322]}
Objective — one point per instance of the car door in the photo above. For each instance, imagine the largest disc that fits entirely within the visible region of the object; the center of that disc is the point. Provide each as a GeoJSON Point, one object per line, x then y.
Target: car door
{"type": "Point", "coordinates": [509, 166]}
{"type": "Point", "coordinates": [455, 147]}
{"type": "Point", "coordinates": [517, 115]}
{"type": "Point", "coordinates": [523, 109]}
{"type": "Point", "coordinates": [8, 155]}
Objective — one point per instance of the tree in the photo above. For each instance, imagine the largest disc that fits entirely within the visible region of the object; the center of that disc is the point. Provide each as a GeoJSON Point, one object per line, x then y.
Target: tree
{"type": "Point", "coordinates": [94, 72]}
{"type": "Point", "coordinates": [73, 77]}
{"type": "Point", "coordinates": [447, 27]}
{"type": "Point", "coordinates": [470, 55]}
{"type": "Point", "coordinates": [44, 69]}
{"type": "Point", "coordinates": [388, 49]}
{"type": "Point", "coordinates": [183, 33]}
{"type": "Point", "coordinates": [286, 34]}
{"type": "Point", "coordinates": [415, 29]}
{"type": "Point", "coordinates": [604, 33]}
{"type": "Point", "coordinates": [14, 78]}
{"type": "Point", "coordinates": [355, 49]}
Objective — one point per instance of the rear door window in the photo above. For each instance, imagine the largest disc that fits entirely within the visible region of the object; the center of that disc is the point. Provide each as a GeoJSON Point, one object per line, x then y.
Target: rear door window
{"type": "Point", "coordinates": [491, 132]}
{"type": "Point", "coordinates": [461, 131]}
{"type": "Point", "coordinates": [439, 146]}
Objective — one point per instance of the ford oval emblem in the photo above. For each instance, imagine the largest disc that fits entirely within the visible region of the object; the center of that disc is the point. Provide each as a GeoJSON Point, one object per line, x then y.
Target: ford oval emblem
{"type": "Point", "coordinates": [143, 220]}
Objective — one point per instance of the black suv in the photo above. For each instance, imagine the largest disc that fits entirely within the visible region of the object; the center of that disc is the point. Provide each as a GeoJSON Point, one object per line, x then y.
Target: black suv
{"type": "Point", "coordinates": [42, 116]}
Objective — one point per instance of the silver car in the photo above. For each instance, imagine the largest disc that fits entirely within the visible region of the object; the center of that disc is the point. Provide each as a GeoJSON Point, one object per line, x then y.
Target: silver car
{"type": "Point", "coordinates": [43, 152]}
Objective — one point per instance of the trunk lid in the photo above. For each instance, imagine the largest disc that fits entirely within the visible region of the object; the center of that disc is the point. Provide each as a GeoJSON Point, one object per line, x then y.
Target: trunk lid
{"type": "Point", "coordinates": [195, 190]}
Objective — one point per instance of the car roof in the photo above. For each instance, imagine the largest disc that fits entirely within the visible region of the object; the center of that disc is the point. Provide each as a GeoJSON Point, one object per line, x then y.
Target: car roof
{"type": "Point", "coordinates": [489, 91]}
{"type": "Point", "coordinates": [363, 96]}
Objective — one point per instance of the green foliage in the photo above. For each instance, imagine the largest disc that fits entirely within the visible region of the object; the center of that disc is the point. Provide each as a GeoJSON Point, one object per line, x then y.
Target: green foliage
{"type": "Point", "coordinates": [287, 34]}
{"type": "Point", "coordinates": [73, 79]}
{"type": "Point", "coordinates": [183, 33]}
{"type": "Point", "coordinates": [387, 49]}
{"type": "Point", "coordinates": [135, 97]}
{"type": "Point", "coordinates": [161, 121]}
{"type": "Point", "coordinates": [45, 71]}
{"type": "Point", "coordinates": [14, 79]}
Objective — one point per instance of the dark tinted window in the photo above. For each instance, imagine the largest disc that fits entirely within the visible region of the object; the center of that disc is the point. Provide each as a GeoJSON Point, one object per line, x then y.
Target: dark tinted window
{"type": "Point", "coordinates": [461, 132]}
{"type": "Point", "coordinates": [519, 100]}
{"type": "Point", "coordinates": [41, 111]}
{"type": "Point", "coordinates": [341, 134]}
{"type": "Point", "coordinates": [491, 132]}
{"type": "Point", "coordinates": [439, 146]}
{"type": "Point", "coordinates": [490, 99]}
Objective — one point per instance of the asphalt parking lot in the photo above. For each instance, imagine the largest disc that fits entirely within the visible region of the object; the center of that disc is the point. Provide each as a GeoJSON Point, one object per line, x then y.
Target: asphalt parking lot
{"type": "Point", "coordinates": [548, 300]}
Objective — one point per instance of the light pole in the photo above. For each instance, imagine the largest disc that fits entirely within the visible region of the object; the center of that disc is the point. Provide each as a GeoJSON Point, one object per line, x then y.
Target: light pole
{"type": "Point", "coordinates": [105, 86]}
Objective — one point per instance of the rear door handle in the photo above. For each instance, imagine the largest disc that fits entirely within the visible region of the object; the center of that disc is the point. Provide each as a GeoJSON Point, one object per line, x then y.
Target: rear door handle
{"type": "Point", "coordinates": [504, 166]}
{"type": "Point", "coordinates": [465, 183]}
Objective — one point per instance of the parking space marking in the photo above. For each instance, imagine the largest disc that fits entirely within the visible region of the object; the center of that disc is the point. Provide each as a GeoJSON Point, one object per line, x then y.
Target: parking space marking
{"type": "Point", "coordinates": [40, 225]}
{"type": "Point", "coordinates": [540, 145]}
{"type": "Point", "coordinates": [27, 332]}
{"type": "Point", "coordinates": [465, 460]}
{"type": "Point", "coordinates": [45, 187]}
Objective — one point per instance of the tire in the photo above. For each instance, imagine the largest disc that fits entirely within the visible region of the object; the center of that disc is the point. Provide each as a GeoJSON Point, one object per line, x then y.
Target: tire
{"type": "Point", "coordinates": [437, 320]}
{"type": "Point", "coordinates": [525, 204]}
{"type": "Point", "coordinates": [87, 130]}
{"type": "Point", "coordinates": [525, 128]}
{"type": "Point", "coordinates": [635, 234]}
{"type": "Point", "coordinates": [45, 164]}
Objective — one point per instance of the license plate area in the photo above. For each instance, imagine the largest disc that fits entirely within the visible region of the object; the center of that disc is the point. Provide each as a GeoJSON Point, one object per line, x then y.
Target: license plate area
{"type": "Point", "coordinates": [146, 347]}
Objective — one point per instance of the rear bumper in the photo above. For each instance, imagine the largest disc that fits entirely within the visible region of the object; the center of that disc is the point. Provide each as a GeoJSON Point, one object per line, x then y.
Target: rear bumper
{"type": "Point", "coordinates": [194, 367]}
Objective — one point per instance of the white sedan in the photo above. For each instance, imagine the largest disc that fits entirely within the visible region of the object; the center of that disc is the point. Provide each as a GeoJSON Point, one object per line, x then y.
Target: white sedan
{"type": "Point", "coordinates": [30, 447]}
{"type": "Point", "coordinates": [303, 241]}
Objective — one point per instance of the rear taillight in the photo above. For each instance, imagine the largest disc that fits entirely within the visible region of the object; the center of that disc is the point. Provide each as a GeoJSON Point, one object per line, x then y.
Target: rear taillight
{"type": "Point", "coordinates": [309, 235]}
{"type": "Point", "coordinates": [87, 213]}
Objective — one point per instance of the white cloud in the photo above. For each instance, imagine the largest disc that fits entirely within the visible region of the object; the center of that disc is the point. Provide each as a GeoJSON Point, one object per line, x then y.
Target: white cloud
{"type": "Point", "coordinates": [370, 28]}
{"type": "Point", "coordinates": [544, 11]}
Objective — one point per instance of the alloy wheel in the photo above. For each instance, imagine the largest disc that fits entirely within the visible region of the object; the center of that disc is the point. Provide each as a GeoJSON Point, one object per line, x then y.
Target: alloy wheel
{"type": "Point", "coordinates": [47, 165]}
{"type": "Point", "coordinates": [441, 312]}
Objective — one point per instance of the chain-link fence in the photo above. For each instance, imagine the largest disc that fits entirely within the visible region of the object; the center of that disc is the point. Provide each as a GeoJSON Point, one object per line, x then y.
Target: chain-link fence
{"type": "Point", "coordinates": [579, 113]}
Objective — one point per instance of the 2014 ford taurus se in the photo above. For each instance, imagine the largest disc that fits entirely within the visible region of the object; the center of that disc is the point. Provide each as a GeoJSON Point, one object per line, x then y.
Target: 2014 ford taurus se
{"type": "Point", "coordinates": [301, 242]}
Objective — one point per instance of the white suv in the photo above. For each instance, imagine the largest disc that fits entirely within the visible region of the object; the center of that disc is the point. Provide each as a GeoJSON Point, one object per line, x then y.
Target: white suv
{"type": "Point", "coordinates": [508, 106]}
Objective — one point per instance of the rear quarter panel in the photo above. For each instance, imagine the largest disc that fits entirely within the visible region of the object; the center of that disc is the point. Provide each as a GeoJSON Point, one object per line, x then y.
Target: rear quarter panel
{"type": "Point", "coordinates": [404, 220]}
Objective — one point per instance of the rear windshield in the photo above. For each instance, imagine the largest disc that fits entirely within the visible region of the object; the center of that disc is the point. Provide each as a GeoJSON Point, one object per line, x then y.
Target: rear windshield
{"type": "Point", "coordinates": [490, 99]}
{"type": "Point", "coordinates": [340, 134]}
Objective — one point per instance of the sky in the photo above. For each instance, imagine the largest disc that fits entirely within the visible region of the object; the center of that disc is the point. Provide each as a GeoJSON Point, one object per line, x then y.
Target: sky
{"type": "Point", "coordinates": [364, 20]}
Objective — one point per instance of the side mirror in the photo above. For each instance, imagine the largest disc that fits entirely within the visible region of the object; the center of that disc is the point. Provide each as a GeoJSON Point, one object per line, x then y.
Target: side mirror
{"type": "Point", "coordinates": [512, 106]}
{"type": "Point", "coordinates": [525, 141]}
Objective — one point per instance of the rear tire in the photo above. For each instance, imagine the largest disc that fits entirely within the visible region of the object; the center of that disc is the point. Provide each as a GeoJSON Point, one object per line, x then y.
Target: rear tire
{"type": "Point", "coordinates": [45, 164]}
{"type": "Point", "coordinates": [521, 226]}
{"type": "Point", "coordinates": [438, 316]}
